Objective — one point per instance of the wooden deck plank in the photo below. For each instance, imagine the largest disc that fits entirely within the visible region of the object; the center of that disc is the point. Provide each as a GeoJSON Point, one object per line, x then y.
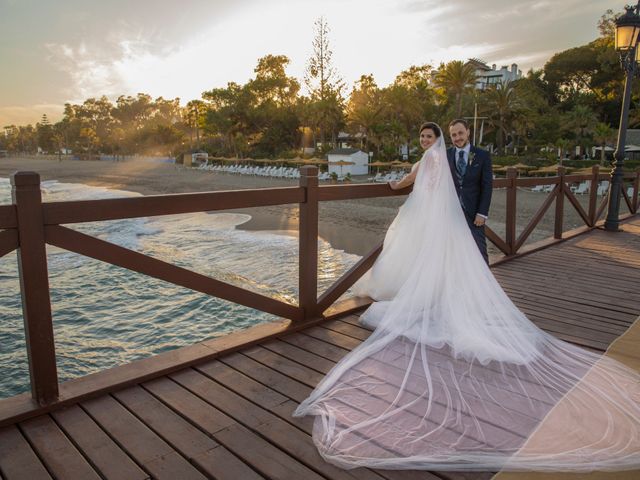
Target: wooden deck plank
{"type": "Point", "coordinates": [541, 287]}
{"type": "Point", "coordinates": [620, 261]}
{"type": "Point", "coordinates": [287, 367]}
{"type": "Point", "coordinates": [303, 373]}
{"type": "Point", "coordinates": [571, 333]}
{"type": "Point", "coordinates": [17, 459]}
{"type": "Point", "coordinates": [586, 279]}
{"type": "Point", "coordinates": [281, 433]}
{"type": "Point", "coordinates": [101, 451]}
{"type": "Point", "coordinates": [139, 441]}
{"type": "Point", "coordinates": [253, 391]}
{"type": "Point", "coordinates": [599, 300]}
{"type": "Point", "coordinates": [319, 347]}
{"type": "Point", "coordinates": [264, 457]}
{"type": "Point", "coordinates": [575, 282]}
{"type": "Point", "coordinates": [577, 255]}
{"type": "Point", "coordinates": [290, 454]}
{"type": "Point", "coordinates": [571, 283]}
{"type": "Point", "coordinates": [200, 449]}
{"type": "Point", "coordinates": [596, 316]}
{"type": "Point", "coordinates": [55, 450]}
{"type": "Point", "coordinates": [279, 382]}
{"type": "Point", "coordinates": [574, 332]}
{"type": "Point", "coordinates": [222, 372]}
{"type": "Point", "coordinates": [233, 413]}
{"type": "Point", "coordinates": [299, 354]}
{"type": "Point", "coordinates": [339, 339]}
{"type": "Point", "coordinates": [330, 336]}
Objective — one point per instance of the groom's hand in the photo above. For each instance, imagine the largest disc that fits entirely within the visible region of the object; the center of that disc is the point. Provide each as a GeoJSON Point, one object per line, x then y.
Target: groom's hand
{"type": "Point", "coordinates": [479, 221]}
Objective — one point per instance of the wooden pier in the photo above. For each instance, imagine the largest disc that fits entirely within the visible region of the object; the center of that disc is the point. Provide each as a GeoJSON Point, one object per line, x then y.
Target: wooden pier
{"type": "Point", "coordinates": [222, 408]}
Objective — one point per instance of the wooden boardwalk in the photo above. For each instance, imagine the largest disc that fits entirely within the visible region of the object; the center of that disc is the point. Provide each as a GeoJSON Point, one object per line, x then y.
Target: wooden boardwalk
{"type": "Point", "coordinates": [230, 418]}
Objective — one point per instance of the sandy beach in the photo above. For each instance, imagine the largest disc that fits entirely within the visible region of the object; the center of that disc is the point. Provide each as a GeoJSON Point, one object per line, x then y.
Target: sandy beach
{"type": "Point", "coordinates": [355, 226]}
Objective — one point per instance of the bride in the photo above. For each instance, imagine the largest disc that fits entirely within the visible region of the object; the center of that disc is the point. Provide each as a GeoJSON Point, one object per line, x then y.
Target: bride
{"type": "Point", "coordinates": [454, 376]}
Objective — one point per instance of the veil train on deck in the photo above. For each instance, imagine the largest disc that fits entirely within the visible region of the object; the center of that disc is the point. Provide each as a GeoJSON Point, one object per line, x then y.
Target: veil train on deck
{"type": "Point", "coordinates": [454, 376]}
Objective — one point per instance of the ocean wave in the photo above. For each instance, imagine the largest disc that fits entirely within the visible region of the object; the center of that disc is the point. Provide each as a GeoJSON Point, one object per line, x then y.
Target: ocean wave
{"type": "Point", "coordinates": [105, 315]}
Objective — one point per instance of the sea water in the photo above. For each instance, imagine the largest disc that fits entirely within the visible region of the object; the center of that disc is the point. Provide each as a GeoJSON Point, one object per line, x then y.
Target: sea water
{"type": "Point", "coordinates": [104, 315]}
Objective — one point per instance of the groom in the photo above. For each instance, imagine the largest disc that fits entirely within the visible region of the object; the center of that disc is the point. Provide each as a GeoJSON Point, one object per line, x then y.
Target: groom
{"type": "Point", "coordinates": [473, 177]}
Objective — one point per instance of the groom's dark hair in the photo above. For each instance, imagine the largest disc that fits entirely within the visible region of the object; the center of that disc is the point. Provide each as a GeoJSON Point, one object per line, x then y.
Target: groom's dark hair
{"type": "Point", "coordinates": [459, 120]}
{"type": "Point", "coordinates": [431, 126]}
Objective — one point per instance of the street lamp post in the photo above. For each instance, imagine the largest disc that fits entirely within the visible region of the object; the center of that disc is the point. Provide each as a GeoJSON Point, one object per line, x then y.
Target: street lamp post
{"type": "Point", "coordinates": [627, 29]}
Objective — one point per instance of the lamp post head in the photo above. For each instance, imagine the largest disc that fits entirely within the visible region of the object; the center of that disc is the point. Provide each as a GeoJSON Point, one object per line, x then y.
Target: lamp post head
{"type": "Point", "coordinates": [627, 36]}
{"type": "Point", "coordinates": [627, 29]}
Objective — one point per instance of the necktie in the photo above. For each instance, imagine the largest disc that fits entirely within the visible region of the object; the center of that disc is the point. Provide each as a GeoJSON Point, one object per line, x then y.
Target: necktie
{"type": "Point", "coordinates": [462, 163]}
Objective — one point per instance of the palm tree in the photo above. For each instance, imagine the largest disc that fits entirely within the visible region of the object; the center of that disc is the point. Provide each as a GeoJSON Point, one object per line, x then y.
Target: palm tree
{"type": "Point", "coordinates": [502, 106]}
{"type": "Point", "coordinates": [456, 78]}
{"type": "Point", "coordinates": [581, 121]}
{"type": "Point", "coordinates": [602, 133]}
{"type": "Point", "coordinates": [563, 145]}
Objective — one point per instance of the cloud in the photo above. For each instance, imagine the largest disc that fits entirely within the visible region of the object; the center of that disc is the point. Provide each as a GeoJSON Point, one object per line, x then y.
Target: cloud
{"type": "Point", "coordinates": [77, 49]}
{"type": "Point", "coordinates": [23, 115]}
{"type": "Point", "coordinates": [90, 74]}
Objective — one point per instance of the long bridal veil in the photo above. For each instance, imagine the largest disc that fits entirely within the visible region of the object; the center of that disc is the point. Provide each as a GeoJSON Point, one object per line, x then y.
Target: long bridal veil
{"type": "Point", "coordinates": [454, 376]}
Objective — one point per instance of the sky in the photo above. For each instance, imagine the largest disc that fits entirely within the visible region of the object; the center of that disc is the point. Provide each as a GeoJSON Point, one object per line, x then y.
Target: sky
{"type": "Point", "coordinates": [57, 51]}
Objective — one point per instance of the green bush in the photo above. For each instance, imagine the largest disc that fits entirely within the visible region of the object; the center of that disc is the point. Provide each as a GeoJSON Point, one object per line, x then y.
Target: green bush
{"type": "Point", "coordinates": [289, 154]}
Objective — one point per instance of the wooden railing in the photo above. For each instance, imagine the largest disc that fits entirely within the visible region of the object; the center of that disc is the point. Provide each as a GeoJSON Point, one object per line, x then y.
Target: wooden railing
{"type": "Point", "coordinates": [512, 243]}
{"type": "Point", "coordinates": [28, 225]}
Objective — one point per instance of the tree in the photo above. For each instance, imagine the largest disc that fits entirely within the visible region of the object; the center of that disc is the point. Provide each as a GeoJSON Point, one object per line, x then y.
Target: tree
{"type": "Point", "coordinates": [168, 136]}
{"type": "Point", "coordinates": [589, 74]}
{"type": "Point", "coordinates": [539, 122]}
{"type": "Point", "coordinates": [89, 139]}
{"type": "Point", "coordinates": [607, 24]}
{"type": "Point", "coordinates": [325, 108]}
{"type": "Point", "coordinates": [364, 108]}
{"type": "Point", "coordinates": [580, 121]}
{"type": "Point", "coordinates": [570, 72]}
{"type": "Point", "coordinates": [228, 116]}
{"type": "Point", "coordinates": [407, 102]}
{"type": "Point", "coordinates": [21, 138]}
{"type": "Point", "coordinates": [273, 110]}
{"type": "Point", "coordinates": [133, 112]}
{"type": "Point", "coordinates": [271, 84]}
{"type": "Point", "coordinates": [603, 133]}
{"type": "Point", "coordinates": [45, 134]}
{"type": "Point", "coordinates": [456, 78]}
{"type": "Point", "coordinates": [196, 112]}
{"type": "Point", "coordinates": [563, 146]}
{"type": "Point", "coordinates": [502, 107]}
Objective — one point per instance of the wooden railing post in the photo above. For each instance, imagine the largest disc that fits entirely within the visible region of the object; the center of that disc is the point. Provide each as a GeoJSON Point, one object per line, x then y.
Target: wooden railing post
{"type": "Point", "coordinates": [559, 220]}
{"type": "Point", "coordinates": [593, 194]}
{"type": "Point", "coordinates": [308, 238]}
{"type": "Point", "coordinates": [636, 187]}
{"type": "Point", "coordinates": [510, 220]}
{"type": "Point", "coordinates": [34, 286]}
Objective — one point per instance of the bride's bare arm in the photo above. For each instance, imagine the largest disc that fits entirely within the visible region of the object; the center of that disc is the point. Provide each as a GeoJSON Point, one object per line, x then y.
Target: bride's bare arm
{"type": "Point", "coordinates": [405, 182]}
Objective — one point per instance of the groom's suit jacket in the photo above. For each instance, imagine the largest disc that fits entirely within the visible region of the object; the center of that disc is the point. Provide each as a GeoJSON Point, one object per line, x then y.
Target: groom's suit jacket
{"type": "Point", "coordinates": [477, 183]}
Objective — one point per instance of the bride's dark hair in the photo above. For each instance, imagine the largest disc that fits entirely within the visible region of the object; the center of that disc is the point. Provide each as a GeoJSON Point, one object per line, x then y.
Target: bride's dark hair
{"type": "Point", "coordinates": [431, 126]}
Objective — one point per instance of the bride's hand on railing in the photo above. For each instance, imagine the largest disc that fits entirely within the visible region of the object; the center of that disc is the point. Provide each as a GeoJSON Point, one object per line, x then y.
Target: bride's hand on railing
{"type": "Point", "coordinates": [405, 182]}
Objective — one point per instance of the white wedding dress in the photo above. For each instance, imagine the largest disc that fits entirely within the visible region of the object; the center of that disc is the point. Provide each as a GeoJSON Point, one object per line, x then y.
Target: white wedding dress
{"type": "Point", "coordinates": [454, 376]}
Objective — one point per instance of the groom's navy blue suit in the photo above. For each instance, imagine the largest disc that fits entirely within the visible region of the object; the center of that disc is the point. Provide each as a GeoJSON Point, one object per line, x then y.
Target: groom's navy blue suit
{"type": "Point", "coordinates": [474, 190]}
